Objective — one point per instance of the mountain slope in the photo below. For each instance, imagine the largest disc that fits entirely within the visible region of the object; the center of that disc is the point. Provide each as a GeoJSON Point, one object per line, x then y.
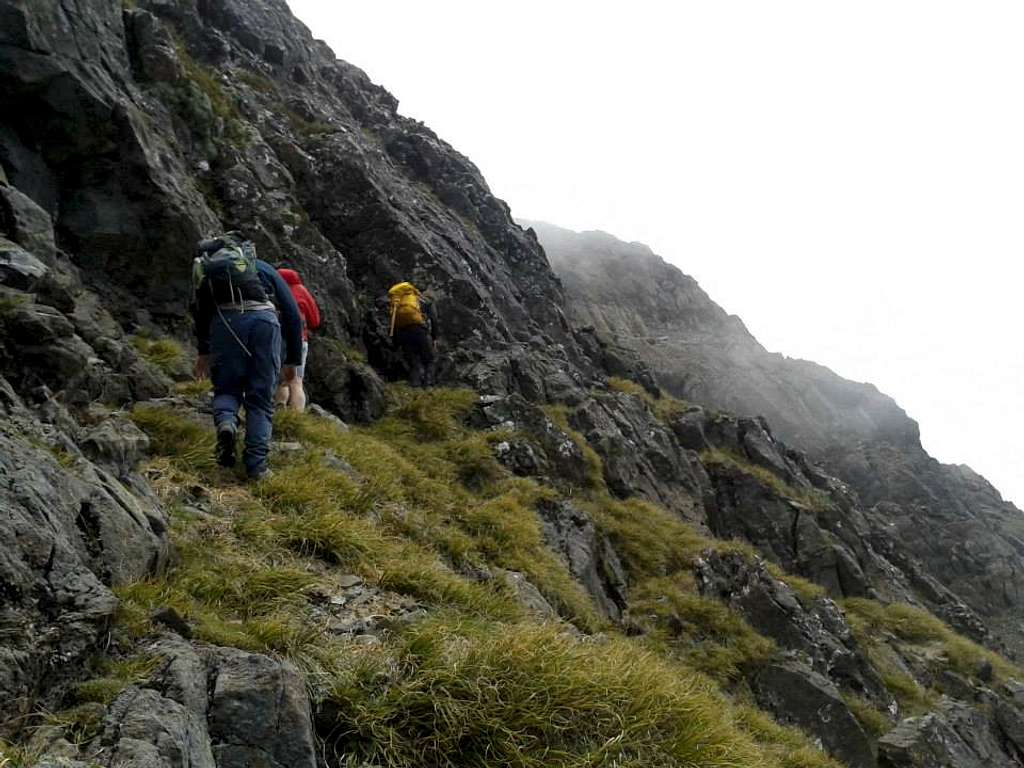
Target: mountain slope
{"type": "Point", "coordinates": [701, 354]}
{"type": "Point", "coordinates": [541, 565]}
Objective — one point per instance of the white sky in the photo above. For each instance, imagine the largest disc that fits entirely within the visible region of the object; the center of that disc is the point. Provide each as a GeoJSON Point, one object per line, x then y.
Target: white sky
{"type": "Point", "coordinates": [846, 177]}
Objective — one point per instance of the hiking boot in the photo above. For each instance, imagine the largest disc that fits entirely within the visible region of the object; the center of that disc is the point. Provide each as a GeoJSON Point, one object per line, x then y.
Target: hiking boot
{"type": "Point", "coordinates": [226, 445]}
{"type": "Point", "coordinates": [264, 474]}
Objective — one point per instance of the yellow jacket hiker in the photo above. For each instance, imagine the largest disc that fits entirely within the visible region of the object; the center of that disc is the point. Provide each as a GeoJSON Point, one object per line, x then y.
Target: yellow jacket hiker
{"type": "Point", "coordinates": [413, 326]}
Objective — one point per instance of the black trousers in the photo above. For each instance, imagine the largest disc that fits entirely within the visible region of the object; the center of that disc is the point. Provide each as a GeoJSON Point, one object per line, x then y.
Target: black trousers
{"type": "Point", "coordinates": [418, 350]}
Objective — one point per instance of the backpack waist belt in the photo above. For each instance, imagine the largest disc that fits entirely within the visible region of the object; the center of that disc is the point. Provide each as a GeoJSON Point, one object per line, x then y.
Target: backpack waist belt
{"type": "Point", "coordinates": [247, 306]}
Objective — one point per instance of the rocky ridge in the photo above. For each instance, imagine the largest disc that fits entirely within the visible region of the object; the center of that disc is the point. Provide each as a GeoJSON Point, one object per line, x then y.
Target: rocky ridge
{"type": "Point", "coordinates": [633, 298]}
{"type": "Point", "coordinates": [156, 612]}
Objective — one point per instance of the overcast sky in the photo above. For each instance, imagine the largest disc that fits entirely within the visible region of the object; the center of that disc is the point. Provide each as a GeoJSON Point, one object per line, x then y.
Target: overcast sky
{"type": "Point", "coordinates": [846, 177]}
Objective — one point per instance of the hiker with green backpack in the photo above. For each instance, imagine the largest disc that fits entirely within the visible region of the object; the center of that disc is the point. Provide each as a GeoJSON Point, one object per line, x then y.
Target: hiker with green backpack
{"type": "Point", "coordinates": [241, 307]}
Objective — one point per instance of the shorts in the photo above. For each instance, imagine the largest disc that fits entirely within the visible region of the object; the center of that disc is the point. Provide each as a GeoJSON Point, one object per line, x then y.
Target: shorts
{"type": "Point", "coordinates": [300, 370]}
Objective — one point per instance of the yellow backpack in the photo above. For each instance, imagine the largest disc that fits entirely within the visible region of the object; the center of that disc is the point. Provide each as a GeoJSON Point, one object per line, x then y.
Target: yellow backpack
{"type": "Point", "coordinates": [405, 306]}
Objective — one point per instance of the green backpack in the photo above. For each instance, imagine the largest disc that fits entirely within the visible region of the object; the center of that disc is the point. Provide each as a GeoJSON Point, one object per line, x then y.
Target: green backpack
{"type": "Point", "coordinates": [226, 267]}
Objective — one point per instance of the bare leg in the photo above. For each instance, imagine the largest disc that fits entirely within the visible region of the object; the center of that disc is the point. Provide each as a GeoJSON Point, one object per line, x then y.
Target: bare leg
{"type": "Point", "coordinates": [281, 398]}
{"type": "Point", "coordinates": [297, 401]}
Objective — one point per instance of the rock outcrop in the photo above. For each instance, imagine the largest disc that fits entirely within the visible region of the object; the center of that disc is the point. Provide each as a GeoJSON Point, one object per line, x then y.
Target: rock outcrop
{"type": "Point", "coordinates": [698, 352]}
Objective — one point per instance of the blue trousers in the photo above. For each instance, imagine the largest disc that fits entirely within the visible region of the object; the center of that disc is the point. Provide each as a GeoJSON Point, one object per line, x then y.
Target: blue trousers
{"type": "Point", "coordinates": [246, 378]}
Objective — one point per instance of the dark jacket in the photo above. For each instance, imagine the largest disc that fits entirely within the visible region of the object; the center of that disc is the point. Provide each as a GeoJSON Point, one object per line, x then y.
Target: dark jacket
{"type": "Point", "coordinates": [204, 311]}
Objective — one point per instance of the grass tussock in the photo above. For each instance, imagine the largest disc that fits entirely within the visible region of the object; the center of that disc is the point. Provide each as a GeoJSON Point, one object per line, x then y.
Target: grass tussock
{"type": "Point", "coordinates": [807, 590]}
{"type": "Point", "coordinates": [166, 354]}
{"type": "Point", "coordinates": [703, 633]}
{"type": "Point", "coordinates": [194, 388]}
{"type": "Point", "coordinates": [652, 541]}
{"type": "Point", "coordinates": [663, 407]}
{"type": "Point", "coordinates": [915, 626]}
{"type": "Point", "coordinates": [467, 693]}
{"type": "Point", "coordinates": [810, 498]}
{"type": "Point", "coordinates": [114, 677]}
{"type": "Point", "coordinates": [873, 721]}
{"type": "Point", "coordinates": [186, 443]}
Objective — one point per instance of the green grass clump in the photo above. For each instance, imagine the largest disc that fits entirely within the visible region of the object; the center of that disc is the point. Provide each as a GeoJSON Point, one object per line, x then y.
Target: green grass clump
{"type": "Point", "coordinates": [114, 677]}
{"type": "Point", "coordinates": [166, 354]}
{"type": "Point", "coordinates": [194, 388]}
{"type": "Point", "coordinates": [811, 498]}
{"type": "Point", "coordinates": [255, 81]}
{"type": "Point", "coordinates": [187, 444]}
{"type": "Point", "coordinates": [651, 541]}
{"type": "Point", "coordinates": [873, 721]}
{"type": "Point", "coordinates": [469, 693]}
{"type": "Point", "coordinates": [436, 483]}
{"type": "Point", "coordinates": [305, 127]}
{"type": "Point", "coordinates": [806, 589]}
{"type": "Point", "coordinates": [17, 756]}
{"type": "Point", "coordinates": [663, 407]}
{"type": "Point", "coordinates": [918, 627]}
{"type": "Point", "coordinates": [703, 632]}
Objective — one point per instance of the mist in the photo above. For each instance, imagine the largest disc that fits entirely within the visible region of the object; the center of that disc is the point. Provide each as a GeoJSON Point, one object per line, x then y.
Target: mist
{"type": "Point", "coordinates": [849, 179]}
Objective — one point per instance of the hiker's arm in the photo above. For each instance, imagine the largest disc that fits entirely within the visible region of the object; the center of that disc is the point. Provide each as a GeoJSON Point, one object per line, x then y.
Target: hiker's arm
{"type": "Point", "coordinates": [202, 313]}
{"type": "Point", "coordinates": [291, 320]}
{"type": "Point", "coordinates": [432, 321]}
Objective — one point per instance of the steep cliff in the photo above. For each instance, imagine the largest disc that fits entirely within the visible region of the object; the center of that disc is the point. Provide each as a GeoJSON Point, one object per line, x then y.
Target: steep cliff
{"type": "Point", "coordinates": [702, 354]}
{"type": "Point", "coordinates": [547, 563]}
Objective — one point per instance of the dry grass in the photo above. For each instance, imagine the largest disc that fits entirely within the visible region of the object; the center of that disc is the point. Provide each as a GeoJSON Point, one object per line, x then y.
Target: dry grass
{"type": "Point", "coordinates": [663, 408]}
{"type": "Point", "coordinates": [810, 498]}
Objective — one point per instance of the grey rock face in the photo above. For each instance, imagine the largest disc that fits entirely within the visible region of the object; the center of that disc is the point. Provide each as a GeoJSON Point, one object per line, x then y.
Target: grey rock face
{"type": "Point", "coordinates": [26, 223]}
{"type": "Point", "coordinates": [955, 736]}
{"type": "Point", "coordinates": [70, 533]}
{"type": "Point", "coordinates": [208, 707]}
{"type": "Point", "coordinates": [259, 713]}
{"type": "Point", "coordinates": [798, 695]}
{"type": "Point", "coordinates": [702, 354]}
{"type": "Point", "coordinates": [815, 629]}
{"type": "Point", "coordinates": [641, 456]}
{"type": "Point", "coordinates": [589, 555]}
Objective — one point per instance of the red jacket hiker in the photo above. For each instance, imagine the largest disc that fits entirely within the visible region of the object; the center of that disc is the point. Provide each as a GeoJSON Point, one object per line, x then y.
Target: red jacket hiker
{"type": "Point", "coordinates": [307, 304]}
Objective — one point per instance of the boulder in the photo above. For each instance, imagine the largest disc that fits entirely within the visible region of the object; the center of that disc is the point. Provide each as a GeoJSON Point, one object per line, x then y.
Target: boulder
{"type": "Point", "coordinates": [259, 712]}
{"type": "Point", "coordinates": [343, 386]}
{"type": "Point", "coordinates": [117, 444]}
{"type": "Point", "coordinates": [27, 224]}
{"type": "Point", "coordinates": [72, 533]}
{"type": "Point", "coordinates": [954, 736]}
{"type": "Point", "coordinates": [19, 269]}
{"type": "Point", "coordinates": [589, 555]}
{"type": "Point", "coordinates": [797, 695]}
{"type": "Point", "coordinates": [528, 595]}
